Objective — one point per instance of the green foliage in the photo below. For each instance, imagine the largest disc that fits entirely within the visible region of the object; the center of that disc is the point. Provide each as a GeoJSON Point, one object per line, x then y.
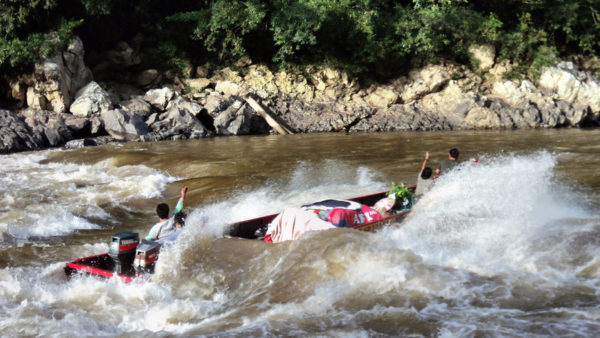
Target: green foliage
{"type": "Point", "coordinates": [223, 25]}
{"type": "Point", "coordinates": [97, 7]}
{"type": "Point", "coordinates": [369, 37]}
{"type": "Point", "coordinates": [400, 191]}
{"type": "Point", "coordinates": [26, 35]}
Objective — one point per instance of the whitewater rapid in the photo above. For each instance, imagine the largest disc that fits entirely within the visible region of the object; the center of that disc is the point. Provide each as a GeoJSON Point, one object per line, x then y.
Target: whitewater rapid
{"type": "Point", "coordinates": [507, 247]}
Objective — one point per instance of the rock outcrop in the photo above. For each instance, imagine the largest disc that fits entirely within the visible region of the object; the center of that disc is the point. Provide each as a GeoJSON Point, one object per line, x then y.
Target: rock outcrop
{"type": "Point", "coordinates": [31, 129]}
{"type": "Point", "coordinates": [55, 81]}
{"type": "Point", "coordinates": [64, 104]}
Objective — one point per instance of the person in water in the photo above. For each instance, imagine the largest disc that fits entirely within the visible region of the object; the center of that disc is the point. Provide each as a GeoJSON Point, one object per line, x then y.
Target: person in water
{"type": "Point", "coordinates": [179, 219]}
{"type": "Point", "coordinates": [448, 164]}
{"type": "Point", "coordinates": [424, 180]}
{"type": "Point", "coordinates": [166, 225]}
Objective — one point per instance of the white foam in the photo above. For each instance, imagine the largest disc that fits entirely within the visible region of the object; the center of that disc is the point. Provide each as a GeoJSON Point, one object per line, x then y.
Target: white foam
{"type": "Point", "coordinates": [489, 219]}
{"type": "Point", "coordinates": [54, 199]}
{"type": "Point", "coordinates": [308, 183]}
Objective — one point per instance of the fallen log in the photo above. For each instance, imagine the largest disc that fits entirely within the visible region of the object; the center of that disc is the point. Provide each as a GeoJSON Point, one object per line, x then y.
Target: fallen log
{"type": "Point", "coordinates": [276, 123]}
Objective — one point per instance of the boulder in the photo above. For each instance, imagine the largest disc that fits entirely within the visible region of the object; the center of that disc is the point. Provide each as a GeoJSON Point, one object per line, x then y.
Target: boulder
{"type": "Point", "coordinates": [15, 134]}
{"type": "Point", "coordinates": [480, 118]}
{"type": "Point", "coordinates": [425, 81]}
{"type": "Point", "coordinates": [483, 56]}
{"type": "Point", "coordinates": [235, 120]}
{"type": "Point", "coordinates": [332, 84]}
{"type": "Point", "coordinates": [35, 100]}
{"type": "Point", "coordinates": [186, 104]}
{"type": "Point", "coordinates": [77, 124]}
{"type": "Point", "coordinates": [80, 143]}
{"type": "Point", "coordinates": [228, 88]}
{"type": "Point", "coordinates": [50, 125]}
{"type": "Point", "coordinates": [226, 74]}
{"type": "Point", "coordinates": [203, 71]}
{"type": "Point", "coordinates": [57, 79]}
{"type": "Point", "coordinates": [176, 124]}
{"type": "Point", "coordinates": [159, 98]}
{"type": "Point", "coordinates": [566, 83]}
{"type": "Point", "coordinates": [32, 129]}
{"type": "Point", "coordinates": [18, 89]}
{"type": "Point", "coordinates": [137, 106]}
{"type": "Point", "coordinates": [148, 78]}
{"type": "Point", "coordinates": [123, 125]}
{"type": "Point", "coordinates": [216, 102]}
{"type": "Point", "coordinates": [91, 100]}
{"type": "Point", "coordinates": [498, 71]}
{"type": "Point", "coordinates": [452, 103]}
{"type": "Point", "coordinates": [401, 117]}
{"type": "Point", "coordinates": [197, 84]}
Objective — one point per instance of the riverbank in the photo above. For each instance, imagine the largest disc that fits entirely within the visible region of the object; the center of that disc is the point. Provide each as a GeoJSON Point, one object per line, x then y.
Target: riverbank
{"type": "Point", "coordinates": [60, 104]}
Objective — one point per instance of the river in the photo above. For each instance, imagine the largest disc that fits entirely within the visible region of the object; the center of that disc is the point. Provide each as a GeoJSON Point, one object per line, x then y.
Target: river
{"type": "Point", "coordinates": [510, 247]}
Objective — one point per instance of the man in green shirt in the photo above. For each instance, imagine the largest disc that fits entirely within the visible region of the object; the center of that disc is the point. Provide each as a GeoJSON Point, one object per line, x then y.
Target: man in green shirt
{"type": "Point", "coordinates": [166, 225]}
{"type": "Point", "coordinates": [449, 163]}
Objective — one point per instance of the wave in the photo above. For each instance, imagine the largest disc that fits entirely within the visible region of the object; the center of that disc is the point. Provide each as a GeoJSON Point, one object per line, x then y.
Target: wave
{"type": "Point", "coordinates": [43, 199]}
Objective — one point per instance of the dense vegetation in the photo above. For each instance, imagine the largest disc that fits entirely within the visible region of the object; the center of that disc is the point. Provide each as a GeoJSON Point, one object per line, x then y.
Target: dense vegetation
{"type": "Point", "coordinates": [376, 37]}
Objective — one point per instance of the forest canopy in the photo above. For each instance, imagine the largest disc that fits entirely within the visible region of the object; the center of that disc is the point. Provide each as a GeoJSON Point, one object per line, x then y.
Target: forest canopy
{"type": "Point", "coordinates": [375, 37]}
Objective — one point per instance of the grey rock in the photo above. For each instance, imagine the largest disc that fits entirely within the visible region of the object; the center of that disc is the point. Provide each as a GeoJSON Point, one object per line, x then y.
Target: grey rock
{"type": "Point", "coordinates": [216, 103]}
{"type": "Point", "coordinates": [96, 125]}
{"type": "Point", "coordinates": [137, 106]}
{"type": "Point", "coordinates": [77, 124]}
{"type": "Point", "coordinates": [148, 78]}
{"type": "Point", "coordinates": [320, 117]}
{"type": "Point", "coordinates": [234, 120]}
{"type": "Point", "coordinates": [176, 123]}
{"type": "Point", "coordinates": [123, 125]}
{"type": "Point", "coordinates": [15, 134]}
{"type": "Point", "coordinates": [80, 143]}
{"type": "Point", "coordinates": [50, 125]}
{"type": "Point", "coordinates": [159, 98]}
{"type": "Point", "coordinates": [91, 100]}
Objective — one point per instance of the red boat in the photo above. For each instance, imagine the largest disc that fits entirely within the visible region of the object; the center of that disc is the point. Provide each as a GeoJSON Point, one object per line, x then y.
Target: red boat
{"type": "Point", "coordinates": [127, 259]}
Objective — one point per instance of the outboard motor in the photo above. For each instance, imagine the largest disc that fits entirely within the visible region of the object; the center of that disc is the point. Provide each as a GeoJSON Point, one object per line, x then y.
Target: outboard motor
{"type": "Point", "coordinates": [146, 256]}
{"type": "Point", "coordinates": [122, 251]}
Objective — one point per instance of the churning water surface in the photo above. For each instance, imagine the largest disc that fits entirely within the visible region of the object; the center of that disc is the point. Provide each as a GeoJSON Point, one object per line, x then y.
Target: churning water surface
{"type": "Point", "coordinates": [508, 247]}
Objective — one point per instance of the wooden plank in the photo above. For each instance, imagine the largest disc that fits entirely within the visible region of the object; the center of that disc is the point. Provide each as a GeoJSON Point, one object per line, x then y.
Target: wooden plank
{"type": "Point", "coordinates": [275, 123]}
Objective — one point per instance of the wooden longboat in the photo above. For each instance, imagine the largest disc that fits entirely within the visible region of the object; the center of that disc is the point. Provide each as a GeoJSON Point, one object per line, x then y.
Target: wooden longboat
{"type": "Point", "coordinates": [99, 265]}
{"type": "Point", "coordinates": [256, 227]}
{"type": "Point", "coordinates": [103, 265]}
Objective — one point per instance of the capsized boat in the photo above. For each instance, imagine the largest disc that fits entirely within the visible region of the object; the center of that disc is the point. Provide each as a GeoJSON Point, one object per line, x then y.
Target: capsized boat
{"type": "Point", "coordinates": [256, 228]}
{"type": "Point", "coordinates": [128, 258]}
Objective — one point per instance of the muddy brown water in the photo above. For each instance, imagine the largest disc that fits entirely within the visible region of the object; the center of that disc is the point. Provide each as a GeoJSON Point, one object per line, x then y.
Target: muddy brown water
{"type": "Point", "coordinates": [508, 247]}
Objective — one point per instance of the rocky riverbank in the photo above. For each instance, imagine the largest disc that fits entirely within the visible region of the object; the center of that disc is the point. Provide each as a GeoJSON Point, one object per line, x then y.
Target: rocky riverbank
{"type": "Point", "coordinates": [60, 104]}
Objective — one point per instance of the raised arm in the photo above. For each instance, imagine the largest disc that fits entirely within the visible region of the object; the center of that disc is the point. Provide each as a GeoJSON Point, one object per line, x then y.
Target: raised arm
{"type": "Point", "coordinates": [424, 162]}
{"type": "Point", "coordinates": [179, 205]}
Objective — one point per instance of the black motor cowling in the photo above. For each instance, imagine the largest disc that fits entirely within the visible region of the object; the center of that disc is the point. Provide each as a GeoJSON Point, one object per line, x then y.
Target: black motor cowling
{"type": "Point", "coordinates": [122, 251]}
{"type": "Point", "coordinates": [146, 256]}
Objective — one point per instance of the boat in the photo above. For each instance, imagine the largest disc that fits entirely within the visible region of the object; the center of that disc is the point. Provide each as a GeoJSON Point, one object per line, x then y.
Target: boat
{"type": "Point", "coordinates": [129, 259]}
{"type": "Point", "coordinates": [256, 228]}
